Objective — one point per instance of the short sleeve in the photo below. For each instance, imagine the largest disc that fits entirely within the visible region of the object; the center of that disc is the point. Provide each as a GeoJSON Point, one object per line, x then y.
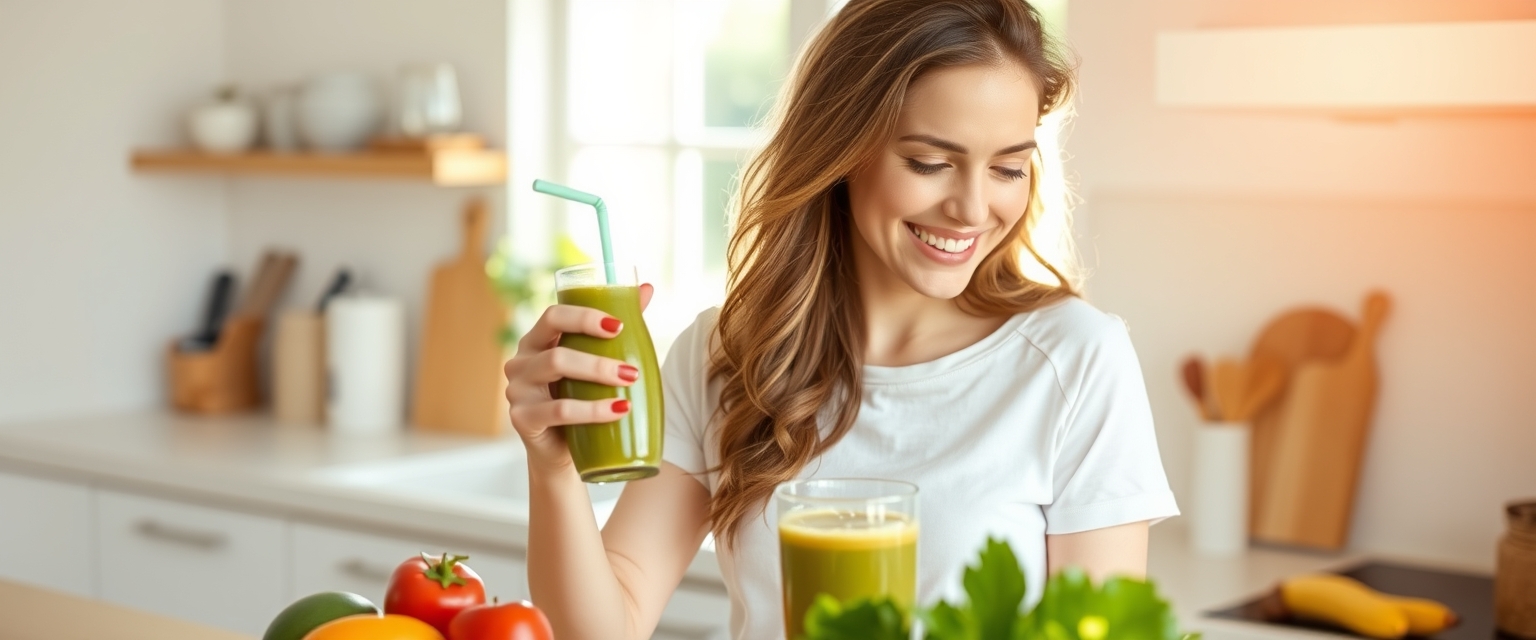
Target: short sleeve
{"type": "Point", "coordinates": [1106, 470]}
{"type": "Point", "coordinates": [684, 383]}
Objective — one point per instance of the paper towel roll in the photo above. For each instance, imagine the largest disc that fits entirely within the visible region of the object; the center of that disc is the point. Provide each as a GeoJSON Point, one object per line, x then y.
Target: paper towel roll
{"type": "Point", "coordinates": [365, 360]}
{"type": "Point", "coordinates": [1220, 520]}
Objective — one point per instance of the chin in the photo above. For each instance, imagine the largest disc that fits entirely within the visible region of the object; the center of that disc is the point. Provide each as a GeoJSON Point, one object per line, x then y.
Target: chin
{"type": "Point", "coordinates": [943, 286]}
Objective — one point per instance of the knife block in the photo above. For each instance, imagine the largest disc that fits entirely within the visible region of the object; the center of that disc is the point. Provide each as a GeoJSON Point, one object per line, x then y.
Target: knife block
{"type": "Point", "coordinates": [222, 379]}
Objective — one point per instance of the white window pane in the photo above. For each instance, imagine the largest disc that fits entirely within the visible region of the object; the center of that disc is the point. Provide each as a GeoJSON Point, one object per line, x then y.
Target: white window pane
{"type": "Point", "coordinates": [620, 80]}
{"type": "Point", "coordinates": [746, 58]}
{"type": "Point", "coordinates": [635, 183]}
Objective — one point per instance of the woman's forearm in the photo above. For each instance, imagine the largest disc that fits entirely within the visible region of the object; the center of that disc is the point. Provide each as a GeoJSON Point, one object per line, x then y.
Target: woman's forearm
{"type": "Point", "coordinates": [569, 575]}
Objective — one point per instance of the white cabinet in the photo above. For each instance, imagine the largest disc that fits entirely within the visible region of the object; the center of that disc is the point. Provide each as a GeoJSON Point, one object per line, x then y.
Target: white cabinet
{"type": "Point", "coordinates": [45, 533]}
{"type": "Point", "coordinates": [327, 559]}
{"type": "Point", "coordinates": [217, 567]}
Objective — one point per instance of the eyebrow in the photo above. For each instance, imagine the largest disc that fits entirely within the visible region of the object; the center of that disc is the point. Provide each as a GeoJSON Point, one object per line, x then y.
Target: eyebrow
{"type": "Point", "coordinates": [957, 148]}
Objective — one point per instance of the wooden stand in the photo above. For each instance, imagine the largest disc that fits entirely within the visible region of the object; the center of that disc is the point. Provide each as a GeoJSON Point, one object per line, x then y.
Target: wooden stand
{"type": "Point", "coordinates": [221, 380]}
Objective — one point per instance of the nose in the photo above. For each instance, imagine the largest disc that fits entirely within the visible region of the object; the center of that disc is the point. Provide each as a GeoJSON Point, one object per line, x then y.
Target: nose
{"type": "Point", "coordinates": [967, 205]}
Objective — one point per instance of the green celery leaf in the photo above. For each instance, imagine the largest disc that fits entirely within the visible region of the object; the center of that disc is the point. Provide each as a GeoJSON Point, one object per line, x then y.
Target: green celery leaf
{"type": "Point", "coordinates": [996, 589]}
{"type": "Point", "coordinates": [945, 622]}
{"type": "Point", "coordinates": [859, 620]}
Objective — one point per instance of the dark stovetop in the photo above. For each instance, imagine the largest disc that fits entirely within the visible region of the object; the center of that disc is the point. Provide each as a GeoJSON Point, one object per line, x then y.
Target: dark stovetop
{"type": "Point", "coordinates": [1469, 595]}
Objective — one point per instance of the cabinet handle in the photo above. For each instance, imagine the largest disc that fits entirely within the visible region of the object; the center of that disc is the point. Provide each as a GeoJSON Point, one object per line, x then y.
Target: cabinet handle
{"type": "Point", "coordinates": [205, 540]}
{"type": "Point", "coordinates": [363, 570]}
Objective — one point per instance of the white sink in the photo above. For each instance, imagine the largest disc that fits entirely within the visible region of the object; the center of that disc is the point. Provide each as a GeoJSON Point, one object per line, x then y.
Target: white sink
{"type": "Point", "coordinates": [495, 472]}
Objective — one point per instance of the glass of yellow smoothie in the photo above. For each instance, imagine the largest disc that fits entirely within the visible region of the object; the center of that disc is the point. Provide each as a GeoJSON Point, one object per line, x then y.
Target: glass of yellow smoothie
{"type": "Point", "coordinates": [849, 538]}
{"type": "Point", "coordinates": [630, 447]}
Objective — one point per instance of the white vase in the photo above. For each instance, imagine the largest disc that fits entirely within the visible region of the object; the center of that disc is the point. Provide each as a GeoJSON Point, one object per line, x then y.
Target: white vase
{"type": "Point", "coordinates": [1219, 520]}
{"type": "Point", "coordinates": [227, 125]}
{"type": "Point", "coordinates": [339, 111]}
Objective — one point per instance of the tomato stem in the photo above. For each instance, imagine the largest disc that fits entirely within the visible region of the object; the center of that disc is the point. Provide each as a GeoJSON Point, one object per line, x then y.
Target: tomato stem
{"type": "Point", "coordinates": [440, 570]}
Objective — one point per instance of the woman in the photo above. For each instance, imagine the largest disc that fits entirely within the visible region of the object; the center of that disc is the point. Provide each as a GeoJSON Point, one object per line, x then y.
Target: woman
{"type": "Point", "coordinates": [878, 324]}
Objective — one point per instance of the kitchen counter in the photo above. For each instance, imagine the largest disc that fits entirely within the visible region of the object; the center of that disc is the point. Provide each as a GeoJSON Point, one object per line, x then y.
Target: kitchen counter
{"type": "Point", "coordinates": [34, 613]}
{"type": "Point", "coordinates": [249, 462]}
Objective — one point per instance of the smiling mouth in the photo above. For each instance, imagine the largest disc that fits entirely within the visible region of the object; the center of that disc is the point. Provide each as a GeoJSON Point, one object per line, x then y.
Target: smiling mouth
{"type": "Point", "coordinates": [947, 245]}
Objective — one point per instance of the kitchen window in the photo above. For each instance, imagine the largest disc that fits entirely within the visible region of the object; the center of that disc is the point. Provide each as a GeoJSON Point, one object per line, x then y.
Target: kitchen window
{"type": "Point", "coordinates": [655, 113]}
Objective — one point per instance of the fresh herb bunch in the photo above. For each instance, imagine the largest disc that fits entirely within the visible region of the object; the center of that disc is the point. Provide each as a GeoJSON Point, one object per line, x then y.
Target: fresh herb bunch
{"type": "Point", "coordinates": [1072, 608]}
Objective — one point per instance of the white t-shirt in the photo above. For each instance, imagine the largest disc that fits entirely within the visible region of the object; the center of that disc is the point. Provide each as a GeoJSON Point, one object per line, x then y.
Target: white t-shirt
{"type": "Point", "coordinates": [1042, 427]}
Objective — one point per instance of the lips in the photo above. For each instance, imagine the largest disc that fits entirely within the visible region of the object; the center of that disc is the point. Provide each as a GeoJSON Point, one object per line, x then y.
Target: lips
{"type": "Point", "coordinates": [942, 245]}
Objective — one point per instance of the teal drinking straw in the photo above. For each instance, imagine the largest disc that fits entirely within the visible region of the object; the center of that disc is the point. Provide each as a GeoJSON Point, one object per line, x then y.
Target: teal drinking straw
{"type": "Point", "coordinates": [562, 191]}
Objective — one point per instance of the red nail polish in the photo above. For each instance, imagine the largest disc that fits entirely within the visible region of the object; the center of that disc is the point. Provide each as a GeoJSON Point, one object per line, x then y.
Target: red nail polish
{"type": "Point", "coordinates": [611, 324]}
{"type": "Point", "coordinates": [628, 373]}
{"type": "Point", "coordinates": [620, 406]}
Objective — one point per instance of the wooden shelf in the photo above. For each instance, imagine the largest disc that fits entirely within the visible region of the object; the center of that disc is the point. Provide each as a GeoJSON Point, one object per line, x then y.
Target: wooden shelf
{"type": "Point", "coordinates": [443, 167]}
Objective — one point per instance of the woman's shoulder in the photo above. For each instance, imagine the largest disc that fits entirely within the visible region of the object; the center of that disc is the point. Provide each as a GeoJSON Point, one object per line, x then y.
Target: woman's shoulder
{"type": "Point", "coordinates": [692, 345]}
{"type": "Point", "coordinates": [1072, 329]}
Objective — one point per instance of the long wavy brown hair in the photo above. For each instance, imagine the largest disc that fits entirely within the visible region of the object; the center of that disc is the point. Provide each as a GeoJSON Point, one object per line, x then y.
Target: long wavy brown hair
{"type": "Point", "coordinates": [790, 334]}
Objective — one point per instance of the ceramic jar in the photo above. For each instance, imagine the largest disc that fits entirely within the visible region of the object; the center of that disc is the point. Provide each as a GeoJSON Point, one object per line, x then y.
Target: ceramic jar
{"type": "Point", "coordinates": [226, 125]}
{"type": "Point", "coordinates": [1515, 580]}
{"type": "Point", "coordinates": [339, 111]}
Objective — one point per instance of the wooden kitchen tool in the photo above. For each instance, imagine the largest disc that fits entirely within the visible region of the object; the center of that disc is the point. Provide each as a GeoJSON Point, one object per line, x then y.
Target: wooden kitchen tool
{"type": "Point", "coordinates": [1192, 373]}
{"type": "Point", "coordinates": [1294, 337]}
{"type": "Point", "coordinates": [458, 379]}
{"type": "Point", "coordinates": [1320, 442]}
{"type": "Point", "coordinates": [224, 379]}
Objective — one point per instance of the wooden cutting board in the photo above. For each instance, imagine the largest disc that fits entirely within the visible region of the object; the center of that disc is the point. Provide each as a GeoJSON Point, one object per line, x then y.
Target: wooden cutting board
{"type": "Point", "coordinates": [1291, 339]}
{"type": "Point", "coordinates": [1320, 442]}
{"type": "Point", "coordinates": [459, 381]}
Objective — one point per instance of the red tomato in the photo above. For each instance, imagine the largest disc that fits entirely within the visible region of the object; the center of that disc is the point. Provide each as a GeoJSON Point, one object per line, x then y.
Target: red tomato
{"type": "Point", "coordinates": [433, 590]}
{"type": "Point", "coordinates": [505, 621]}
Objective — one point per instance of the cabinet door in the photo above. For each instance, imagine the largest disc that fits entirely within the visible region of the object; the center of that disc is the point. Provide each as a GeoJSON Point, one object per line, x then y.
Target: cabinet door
{"type": "Point", "coordinates": [330, 559]}
{"type": "Point", "coordinates": [217, 567]}
{"type": "Point", "coordinates": [45, 533]}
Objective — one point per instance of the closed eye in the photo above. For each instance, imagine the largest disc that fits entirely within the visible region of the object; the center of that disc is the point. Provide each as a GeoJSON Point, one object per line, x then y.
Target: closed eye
{"type": "Point", "coordinates": [1011, 174]}
{"type": "Point", "coordinates": [924, 168]}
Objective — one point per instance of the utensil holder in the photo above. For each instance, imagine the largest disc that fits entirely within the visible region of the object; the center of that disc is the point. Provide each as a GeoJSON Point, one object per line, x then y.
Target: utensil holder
{"type": "Point", "coordinates": [1514, 584]}
{"type": "Point", "coordinates": [298, 368]}
{"type": "Point", "coordinates": [222, 379]}
{"type": "Point", "coordinates": [1220, 516]}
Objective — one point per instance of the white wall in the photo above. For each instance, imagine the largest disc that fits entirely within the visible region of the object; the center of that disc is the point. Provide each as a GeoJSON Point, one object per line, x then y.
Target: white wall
{"type": "Point", "coordinates": [1200, 226]}
{"type": "Point", "coordinates": [99, 267]}
{"type": "Point", "coordinates": [392, 233]}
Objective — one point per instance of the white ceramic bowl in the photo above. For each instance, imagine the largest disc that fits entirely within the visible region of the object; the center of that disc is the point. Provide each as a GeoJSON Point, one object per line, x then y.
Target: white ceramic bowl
{"type": "Point", "coordinates": [223, 127]}
{"type": "Point", "coordinates": [339, 111]}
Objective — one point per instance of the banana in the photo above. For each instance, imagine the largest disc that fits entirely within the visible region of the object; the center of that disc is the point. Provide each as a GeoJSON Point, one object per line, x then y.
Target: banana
{"type": "Point", "coordinates": [1425, 617]}
{"type": "Point", "coordinates": [1345, 602]}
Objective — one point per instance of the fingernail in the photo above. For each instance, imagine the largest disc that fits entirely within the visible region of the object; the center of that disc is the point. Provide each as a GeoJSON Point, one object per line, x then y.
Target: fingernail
{"type": "Point", "coordinates": [620, 406]}
{"type": "Point", "coordinates": [611, 324]}
{"type": "Point", "coordinates": [628, 373]}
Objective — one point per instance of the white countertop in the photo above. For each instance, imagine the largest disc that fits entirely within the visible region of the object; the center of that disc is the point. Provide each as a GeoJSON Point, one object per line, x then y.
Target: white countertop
{"type": "Point", "coordinates": [252, 463]}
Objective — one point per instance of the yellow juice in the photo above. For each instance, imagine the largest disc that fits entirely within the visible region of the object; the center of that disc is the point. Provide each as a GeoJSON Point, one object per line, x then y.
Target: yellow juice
{"type": "Point", "coordinates": [846, 555]}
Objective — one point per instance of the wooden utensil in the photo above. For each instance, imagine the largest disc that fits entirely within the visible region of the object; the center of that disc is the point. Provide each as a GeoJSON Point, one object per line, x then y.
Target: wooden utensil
{"type": "Point", "coordinates": [1320, 442]}
{"type": "Point", "coordinates": [1193, 374]}
{"type": "Point", "coordinates": [458, 379]}
{"type": "Point", "coordinates": [1263, 378]}
{"type": "Point", "coordinates": [267, 287]}
{"type": "Point", "coordinates": [1292, 338]}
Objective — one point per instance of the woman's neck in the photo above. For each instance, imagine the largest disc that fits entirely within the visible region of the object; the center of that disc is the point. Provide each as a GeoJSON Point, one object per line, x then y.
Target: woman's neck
{"type": "Point", "coordinates": [903, 326]}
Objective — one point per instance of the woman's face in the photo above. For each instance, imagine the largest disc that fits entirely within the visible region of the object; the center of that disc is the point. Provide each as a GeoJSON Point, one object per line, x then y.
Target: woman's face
{"type": "Point", "coordinates": [953, 179]}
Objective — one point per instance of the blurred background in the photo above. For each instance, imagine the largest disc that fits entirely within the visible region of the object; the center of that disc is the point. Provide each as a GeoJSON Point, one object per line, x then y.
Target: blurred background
{"type": "Point", "coordinates": [1225, 162]}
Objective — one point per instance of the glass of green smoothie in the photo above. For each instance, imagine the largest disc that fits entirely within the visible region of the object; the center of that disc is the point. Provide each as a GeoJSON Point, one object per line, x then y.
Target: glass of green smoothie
{"type": "Point", "coordinates": [630, 447]}
{"type": "Point", "coordinates": [847, 537]}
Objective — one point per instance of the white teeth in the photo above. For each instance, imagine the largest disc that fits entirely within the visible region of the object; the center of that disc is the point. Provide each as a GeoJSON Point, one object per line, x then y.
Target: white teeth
{"type": "Point", "coordinates": [947, 245]}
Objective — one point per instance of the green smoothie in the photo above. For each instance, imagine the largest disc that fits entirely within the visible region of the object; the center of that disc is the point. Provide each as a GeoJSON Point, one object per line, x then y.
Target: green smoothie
{"type": "Point", "coordinates": [629, 448]}
{"type": "Point", "coordinates": [847, 556]}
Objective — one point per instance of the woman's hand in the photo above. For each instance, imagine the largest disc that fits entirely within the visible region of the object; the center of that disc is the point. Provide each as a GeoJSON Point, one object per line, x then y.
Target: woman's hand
{"type": "Point", "coordinates": [540, 362]}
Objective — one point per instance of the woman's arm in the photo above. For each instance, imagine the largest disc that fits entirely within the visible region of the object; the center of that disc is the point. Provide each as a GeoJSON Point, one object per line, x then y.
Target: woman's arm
{"type": "Point", "coordinates": [1119, 550]}
{"type": "Point", "coordinates": [612, 585]}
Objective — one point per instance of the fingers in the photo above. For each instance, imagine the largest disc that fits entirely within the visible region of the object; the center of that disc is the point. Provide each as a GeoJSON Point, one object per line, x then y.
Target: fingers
{"type": "Point", "coordinates": [564, 318]}
{"type": "Point", "coordinates": [646, 291]}
{"type": "Point", "coordinates": [565, 363]}
{"type": "Point", "coordinates": [554, 413]}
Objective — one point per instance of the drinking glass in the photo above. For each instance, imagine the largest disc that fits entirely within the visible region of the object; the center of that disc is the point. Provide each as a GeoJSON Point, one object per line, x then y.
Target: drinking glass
{"type": "Point", "coordinates": [850, 538]}
{"type": "Point", "coordinates": [628, 448]}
